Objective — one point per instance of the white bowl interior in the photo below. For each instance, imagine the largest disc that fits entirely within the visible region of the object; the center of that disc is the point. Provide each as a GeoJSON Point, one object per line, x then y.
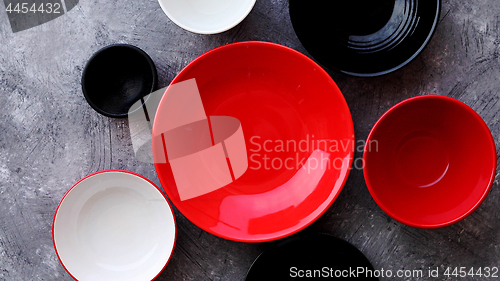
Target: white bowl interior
{"type": "Point", "coordinates": [114, 226]}
{"type": "Point", "coordinates": [206, 16]}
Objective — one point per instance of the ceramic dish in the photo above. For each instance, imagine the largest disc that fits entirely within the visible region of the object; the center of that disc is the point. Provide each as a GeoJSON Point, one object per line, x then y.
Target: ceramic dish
{"type": "Point", "coordinates": [114, 225]}
{"type": "Point", "coordinates": [312, 256]}
{"type": "Point", "coordinates": [290, 149]}
{"type": "Point", "coordinates": [116, 77]}
{"type": "Point", "coordinates": [206, 17]}
{"type": "Point", "coordinates": [430, 161]}
{"type": "Point", "coordinates": [364, 37]}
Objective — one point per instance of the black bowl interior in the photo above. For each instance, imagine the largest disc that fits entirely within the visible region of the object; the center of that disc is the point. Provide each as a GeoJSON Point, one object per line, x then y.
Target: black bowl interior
{"type": "Point", "coordinates": [320, 252]}
{"type": "Point", "coordinates": [364, 37]}
{"type": "Point", "coordinates": [116, 77]}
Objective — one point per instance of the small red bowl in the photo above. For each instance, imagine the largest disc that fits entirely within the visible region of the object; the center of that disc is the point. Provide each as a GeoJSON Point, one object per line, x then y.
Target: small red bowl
{"type": "Point", "coordinates": [429, 161]}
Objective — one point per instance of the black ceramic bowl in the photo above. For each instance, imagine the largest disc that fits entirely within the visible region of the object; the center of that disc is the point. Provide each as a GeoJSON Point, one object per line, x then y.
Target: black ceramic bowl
{"type": "Point", "coordinates": [116, 77]}
{"type": "Point", "coordinates": [311, 256]}
{"type": "Point", "coordinates": [364, 37]}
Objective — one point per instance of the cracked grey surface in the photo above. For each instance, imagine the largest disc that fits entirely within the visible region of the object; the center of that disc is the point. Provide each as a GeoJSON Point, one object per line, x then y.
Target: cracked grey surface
{"type": "Point", "coordinates": [50, 137]}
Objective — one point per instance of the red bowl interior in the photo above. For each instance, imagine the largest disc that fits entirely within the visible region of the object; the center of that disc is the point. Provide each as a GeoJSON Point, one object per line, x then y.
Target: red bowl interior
{"type": "Point", "coordinates": [277, 94]}
{"type": "Point", "coordinates": [429, 161]}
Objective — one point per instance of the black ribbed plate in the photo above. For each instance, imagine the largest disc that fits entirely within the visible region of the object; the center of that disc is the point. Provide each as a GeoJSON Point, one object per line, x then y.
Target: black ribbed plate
{"type": "Point", "coordinates": [364, 37]}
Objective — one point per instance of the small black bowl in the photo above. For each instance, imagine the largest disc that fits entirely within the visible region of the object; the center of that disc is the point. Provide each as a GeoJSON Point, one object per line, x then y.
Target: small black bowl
{"type": "Point", "coordinates": [116, 77]}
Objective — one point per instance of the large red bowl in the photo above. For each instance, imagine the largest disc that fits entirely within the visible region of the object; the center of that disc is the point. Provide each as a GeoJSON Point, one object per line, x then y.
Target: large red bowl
{"type": "Point", "coordinates": [429, 161]}
{"type": "Point", "coordinates": [279, 96]}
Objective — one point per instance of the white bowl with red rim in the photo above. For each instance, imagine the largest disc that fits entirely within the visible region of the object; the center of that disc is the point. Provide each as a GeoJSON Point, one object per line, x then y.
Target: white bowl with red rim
{"type": "Point", "coordinates": [114, 225]}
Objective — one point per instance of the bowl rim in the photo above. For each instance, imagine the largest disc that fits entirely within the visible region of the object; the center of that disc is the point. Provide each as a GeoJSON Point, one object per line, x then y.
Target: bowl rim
{"type": "Point", "coordinates": [257, 43]}
{"type": "Point", "coordinates": [425, 43]}
{"type": "Point", "coordinates": [136, 49]}
{"type": "Point", "coordinates": [113, 171]}
{"type": "Point", "coordinates": [205, 32]}
{"type": "Point", "coordinates": [484, 128]}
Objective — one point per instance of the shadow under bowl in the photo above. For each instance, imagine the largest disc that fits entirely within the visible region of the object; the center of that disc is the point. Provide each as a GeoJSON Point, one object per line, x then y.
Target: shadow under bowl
{"type": "Point", "coordinates": [429, 161]}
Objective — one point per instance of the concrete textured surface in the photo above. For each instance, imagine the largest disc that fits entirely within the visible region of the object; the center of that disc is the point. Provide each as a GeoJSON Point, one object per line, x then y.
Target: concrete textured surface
{"type": "Point", "coordinates": [50, 137]}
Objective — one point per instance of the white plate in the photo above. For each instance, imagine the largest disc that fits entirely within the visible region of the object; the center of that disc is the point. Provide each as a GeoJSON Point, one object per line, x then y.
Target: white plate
{"type": "Point", "coordinates": [206, 16]}
{"type": "Point", "coordinates": [114, 225]}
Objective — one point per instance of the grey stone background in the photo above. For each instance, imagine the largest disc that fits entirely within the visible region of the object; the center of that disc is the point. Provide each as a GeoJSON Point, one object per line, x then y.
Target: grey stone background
{"type": "Point", "coordinates": [50, 137]}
